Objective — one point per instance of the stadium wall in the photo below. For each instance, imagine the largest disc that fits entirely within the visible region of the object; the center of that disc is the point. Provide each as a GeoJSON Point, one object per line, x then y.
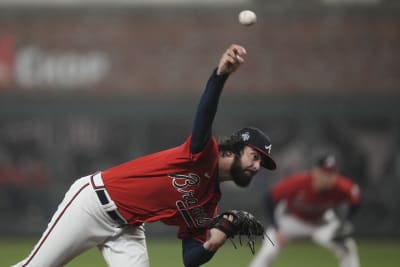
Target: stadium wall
{"type": "Point", "coordinates": [84, 89]}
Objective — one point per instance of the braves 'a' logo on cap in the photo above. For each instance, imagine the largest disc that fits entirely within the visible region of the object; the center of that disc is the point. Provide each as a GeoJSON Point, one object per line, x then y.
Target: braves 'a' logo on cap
{"type": "Point", "coordinates": [268, 148]}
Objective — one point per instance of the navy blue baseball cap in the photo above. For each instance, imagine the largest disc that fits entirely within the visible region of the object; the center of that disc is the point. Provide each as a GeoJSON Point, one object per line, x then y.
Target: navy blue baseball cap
{"type": "Point", "coordinates": [261, 142]}
{"type": "Point", "coordinates": [327, 163]}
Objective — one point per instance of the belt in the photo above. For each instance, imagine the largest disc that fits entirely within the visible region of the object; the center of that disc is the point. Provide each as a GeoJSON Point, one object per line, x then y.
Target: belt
{"type": "Point", "coordinates": [108, 205]}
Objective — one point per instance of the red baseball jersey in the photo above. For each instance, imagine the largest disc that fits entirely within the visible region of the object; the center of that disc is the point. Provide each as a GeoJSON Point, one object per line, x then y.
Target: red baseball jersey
{"type": "Point", "coordinates": [173, 186]}
{"type": "Point", "coordinates": [309, 205]}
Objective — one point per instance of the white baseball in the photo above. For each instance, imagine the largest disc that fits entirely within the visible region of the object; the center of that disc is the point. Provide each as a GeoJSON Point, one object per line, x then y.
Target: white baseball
{"type": "Point", "coordinates": [247, 17]}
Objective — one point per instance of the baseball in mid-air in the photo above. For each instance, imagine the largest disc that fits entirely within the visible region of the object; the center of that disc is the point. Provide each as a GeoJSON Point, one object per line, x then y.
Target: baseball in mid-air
{"type": "Point", "coordinates": [247, 17]}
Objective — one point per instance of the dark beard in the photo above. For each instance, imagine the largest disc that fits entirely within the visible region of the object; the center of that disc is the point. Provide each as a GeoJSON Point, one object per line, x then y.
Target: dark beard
{"type": "Point", "coordinates": [238, 175]}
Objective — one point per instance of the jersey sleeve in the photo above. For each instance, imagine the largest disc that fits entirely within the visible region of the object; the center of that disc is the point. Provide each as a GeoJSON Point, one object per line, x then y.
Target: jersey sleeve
{"type": "Point", "coordinates": [351, 191]}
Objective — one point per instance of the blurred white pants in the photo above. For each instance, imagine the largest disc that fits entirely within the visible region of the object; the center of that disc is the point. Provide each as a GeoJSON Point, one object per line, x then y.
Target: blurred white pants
{"type": "Point", "coordinates": [80, 223]}
{"type": "Point", "coordinates": [291, 227]}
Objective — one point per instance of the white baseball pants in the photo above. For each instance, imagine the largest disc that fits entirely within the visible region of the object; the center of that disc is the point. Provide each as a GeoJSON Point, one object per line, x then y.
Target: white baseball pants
{"type": "Point", "coordinates": [291, 227]}
{"type": "Point", "coordinates": [82, 222]}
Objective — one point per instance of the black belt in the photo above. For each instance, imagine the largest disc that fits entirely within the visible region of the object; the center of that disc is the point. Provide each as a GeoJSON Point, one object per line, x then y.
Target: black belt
{"type": "Point", "coordinates": [101, 194]}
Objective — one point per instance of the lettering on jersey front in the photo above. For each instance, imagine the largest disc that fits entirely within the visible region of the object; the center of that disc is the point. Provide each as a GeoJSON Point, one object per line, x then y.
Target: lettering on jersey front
{"type": "Point", "coordinates": [194, 216]}
{"type": "Point", "coordinates": [181, 181]}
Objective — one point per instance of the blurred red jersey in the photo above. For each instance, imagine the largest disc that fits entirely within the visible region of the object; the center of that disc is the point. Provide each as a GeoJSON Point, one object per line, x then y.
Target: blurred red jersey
{"type": "Point", "coordinates": [173, 186]}
{"type": "Point", "coordinates": [305, 203]}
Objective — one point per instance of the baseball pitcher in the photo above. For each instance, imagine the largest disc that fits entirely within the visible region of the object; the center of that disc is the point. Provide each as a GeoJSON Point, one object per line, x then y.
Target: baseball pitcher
{"type": "Point", "coordinates": [178, 186]}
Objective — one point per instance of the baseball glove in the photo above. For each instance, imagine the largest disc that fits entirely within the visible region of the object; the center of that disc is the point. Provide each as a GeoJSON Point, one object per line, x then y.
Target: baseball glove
{"type": "Point", "coordinates": [243, 224]}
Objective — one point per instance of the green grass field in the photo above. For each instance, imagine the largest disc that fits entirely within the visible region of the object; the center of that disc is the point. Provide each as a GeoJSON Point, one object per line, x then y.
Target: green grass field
{"type": "Point", "coordinates": [167, 253]}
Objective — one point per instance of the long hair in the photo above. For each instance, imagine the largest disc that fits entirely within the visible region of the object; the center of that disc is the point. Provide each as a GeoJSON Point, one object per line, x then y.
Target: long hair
{"type": "Point", "coordinates": [234, 144]}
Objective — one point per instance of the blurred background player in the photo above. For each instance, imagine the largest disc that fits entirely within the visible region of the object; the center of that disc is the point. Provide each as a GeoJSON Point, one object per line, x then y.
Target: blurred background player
{"type": "Point", "coordinates": [316, 204]}
{"type": "Point", "coordinates": [177, 186]}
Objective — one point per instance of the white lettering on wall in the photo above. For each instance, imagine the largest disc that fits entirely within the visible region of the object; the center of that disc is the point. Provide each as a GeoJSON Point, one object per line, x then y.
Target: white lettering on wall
{"type": "Point", "coordinates": [61, 69]}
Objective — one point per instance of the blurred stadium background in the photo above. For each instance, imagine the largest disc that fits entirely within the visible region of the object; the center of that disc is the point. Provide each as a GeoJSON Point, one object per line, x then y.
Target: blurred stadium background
{"type": "Point", "coordinates": [88, 84]}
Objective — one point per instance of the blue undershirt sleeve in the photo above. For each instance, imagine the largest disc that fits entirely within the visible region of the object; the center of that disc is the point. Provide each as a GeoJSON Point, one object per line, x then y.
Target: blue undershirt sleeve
{"type": "Point", "coordinates": [206, 110]}
{"type": "Point", "coordinates": [194, 253]}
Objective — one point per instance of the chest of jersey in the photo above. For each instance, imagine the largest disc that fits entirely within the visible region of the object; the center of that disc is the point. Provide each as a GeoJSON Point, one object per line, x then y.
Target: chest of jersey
{"type": "Point", "coordinates": [173, 186]}
{"type": "Point", "coordinates": [310, 202]}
